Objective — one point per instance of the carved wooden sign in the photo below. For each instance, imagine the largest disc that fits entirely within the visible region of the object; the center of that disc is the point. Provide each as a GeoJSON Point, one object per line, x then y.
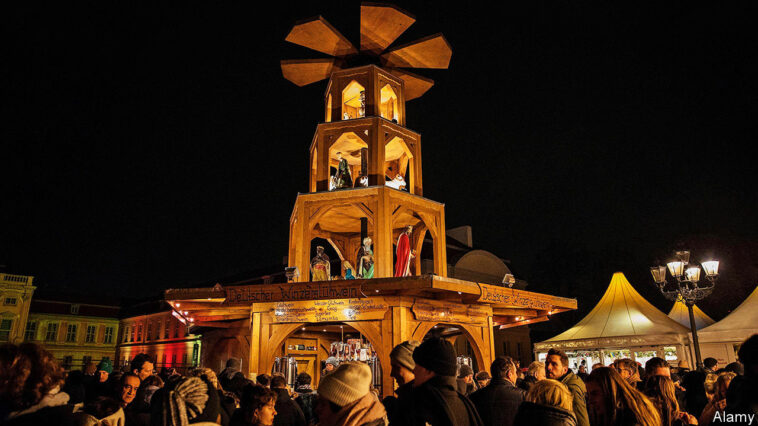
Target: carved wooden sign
{"type": "Point", "coordinates": [516, 298]}
{"type": "Point", "coordinates": [245, 295]}
{"type": "Point", "coordinates": [330, 310]}
{"type": "Point", "coordinates": [449, 312]}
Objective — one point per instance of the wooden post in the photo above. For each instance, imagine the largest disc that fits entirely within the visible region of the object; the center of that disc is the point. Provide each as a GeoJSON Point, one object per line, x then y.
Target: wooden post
{"type": "Point", "coordinates": [255, 345]}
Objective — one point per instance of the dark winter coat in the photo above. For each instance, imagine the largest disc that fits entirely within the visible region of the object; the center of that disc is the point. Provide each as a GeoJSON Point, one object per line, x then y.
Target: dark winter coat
{"type": "Point", "coordinates": [307, 402]}
{"type": "Point", "coordinates": [531, 414]}
{"type": "Point", "coordinates": [576, 386]}
{"type": "Point", "coordinates": [438, 403]}
{"type": "Point", "coordinates": [60, 415]}
{"type": "Point", "coordinates": [392, 404]}
{"type": "Point", "coordinates": [288, 413]}
{"type": "Point", "coordinates": [498, 402]}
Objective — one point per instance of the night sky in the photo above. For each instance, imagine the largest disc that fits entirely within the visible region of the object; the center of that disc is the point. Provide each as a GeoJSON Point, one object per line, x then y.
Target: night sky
{"type": "Point", "coordinates": [147, 147]}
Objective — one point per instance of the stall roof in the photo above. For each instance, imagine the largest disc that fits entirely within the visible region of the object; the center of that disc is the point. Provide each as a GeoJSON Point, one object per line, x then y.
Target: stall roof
{"type": "Point", "coordinates": [680, 314]}
{"type": "Point", "coordinates": [737, 326]}
{"type": "Point", "coordinates": [621, 312]}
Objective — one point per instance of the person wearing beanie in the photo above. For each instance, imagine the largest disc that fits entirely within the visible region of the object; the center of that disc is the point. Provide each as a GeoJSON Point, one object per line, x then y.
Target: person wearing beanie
{"type": "Point", "coordinates": [345, 398]}
{"type": "Point", "coordinates": [100, 386]}
{"type": "Point", "coordinates": [435, 398]}
{"type": "Point", "coordinates": [104, 368]}
{"type": "Point", "coordinates": [482, 379]}
{"type": "Point", "coordinates": [401, 361]}
{"type": "Point", "coordinates": [466, 384]}
{"type": "Point", "coordinates": [330, 364]}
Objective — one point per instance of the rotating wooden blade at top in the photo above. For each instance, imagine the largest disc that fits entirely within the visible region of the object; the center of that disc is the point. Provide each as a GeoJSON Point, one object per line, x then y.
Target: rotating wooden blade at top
{"type": "Point", "coordinates": [381, 24]}
{"type": "Point", "coordinates": [415, 85]}
{"type": "Point", "coordinates": [428, 52]}
{"type": "Point", "coordinates": [317, 34]}
{"type": "Point", "coordinates": [307, 71]}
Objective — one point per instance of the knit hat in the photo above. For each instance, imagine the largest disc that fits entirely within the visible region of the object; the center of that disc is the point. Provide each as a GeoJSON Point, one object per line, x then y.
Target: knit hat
{"type": "Point", "coordinates": [483, 375]}
{"type": "Point", "coordinates": [403, 354]}
{"type": "Point", "coordinates": [436, 355]}
{"type": "Point", "coordinates": [348, 383]}
{"type": "Point", "coordinates": [465, 371]}
{"type": "Point", "coordinates": [332, 360]}
{"type": "Point", "coordinates": [105, 365]}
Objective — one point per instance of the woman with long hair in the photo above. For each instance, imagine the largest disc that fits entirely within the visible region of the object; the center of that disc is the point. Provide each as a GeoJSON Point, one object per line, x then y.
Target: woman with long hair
{"type": "Point", "coordinates": [718, 402]}
{"type": "Point", "coordinates": [548, 402]}
{"type": "Point", "coordinates": [662, 392]}
{"type": "Point", "coordinates": [612, 401]}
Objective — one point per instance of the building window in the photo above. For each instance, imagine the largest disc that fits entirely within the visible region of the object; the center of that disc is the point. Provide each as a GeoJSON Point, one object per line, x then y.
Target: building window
{"type": "Point", "coordinates": [166, 328]}
{"type": "Point", "coordinates": [10, 301]}
{"type": "Point", "coordinates": [131, 335]}
{"type": "Point", "coordinates": [86, 360]}
{"type": "Point", "coordinates": [176, 329]}
{"type": "Point", "coordinates": [31, 331]}
{"type": "Point", "coordinates": [91, 330]}
{"type": "Point", "coordinates": [149, 335]}
{"type": "Point", "coordinates": [139, 333]}
{"type": "Point", "coordinates": [71, 333]}
{"type": "Point", "coordinates": [173, 360]}
{"type": "Point", "coordinates": [5, 329]}
{"type": "Point", "coordinates": [67, 361]}
{"type": "Point", "coordinates": [108, 338]}
{"type": "Point", "coordinates": [74, 309]}
{"type": "Point", "coordinates": [184, 359]}
{"type": "Point", "coordinates": [126, 334]}
{"type": "Point", "coordinates": [52, 332]}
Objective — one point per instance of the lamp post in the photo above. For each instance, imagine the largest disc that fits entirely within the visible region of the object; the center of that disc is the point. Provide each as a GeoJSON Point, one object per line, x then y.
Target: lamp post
{"type": "Point", "coordinates": [687, 286]}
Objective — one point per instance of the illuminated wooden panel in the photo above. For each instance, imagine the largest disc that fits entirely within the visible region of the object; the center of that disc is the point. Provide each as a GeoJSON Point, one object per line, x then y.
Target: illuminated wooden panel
{"type": "Point", "coordinates": [317, 34]}
{"type": "Point", "coordinates": [306, 71]}
{"type": "Point", "coordinates": [428, 52]}
{"type": "Point", "coordinates": [415, 85]}
{"type": "Point", "coordinates": [381, 25]}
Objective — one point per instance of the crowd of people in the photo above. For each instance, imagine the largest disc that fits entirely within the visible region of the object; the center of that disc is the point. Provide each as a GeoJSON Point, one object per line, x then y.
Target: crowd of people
{"type": "Point", "coordinates": [432, 389]}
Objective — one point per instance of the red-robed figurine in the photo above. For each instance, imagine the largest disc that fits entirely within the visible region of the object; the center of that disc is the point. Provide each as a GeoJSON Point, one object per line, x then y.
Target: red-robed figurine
{"type": "Point", "coordinates": [404, 253]}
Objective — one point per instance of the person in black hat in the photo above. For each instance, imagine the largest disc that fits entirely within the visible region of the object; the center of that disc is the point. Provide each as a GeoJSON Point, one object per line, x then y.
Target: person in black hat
{"type": "Point", "coordinates": [434, 398]}
{"type": "Point", "coordinates": [466, 383]}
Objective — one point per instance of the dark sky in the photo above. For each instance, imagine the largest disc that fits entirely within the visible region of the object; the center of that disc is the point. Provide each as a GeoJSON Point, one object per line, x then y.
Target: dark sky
{"type": "Point", "coordinates": [146, 147]}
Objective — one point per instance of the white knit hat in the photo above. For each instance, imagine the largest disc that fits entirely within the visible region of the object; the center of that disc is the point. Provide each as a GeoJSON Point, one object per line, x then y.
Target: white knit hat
{"type": "Point", "coordinates": [348, 383]}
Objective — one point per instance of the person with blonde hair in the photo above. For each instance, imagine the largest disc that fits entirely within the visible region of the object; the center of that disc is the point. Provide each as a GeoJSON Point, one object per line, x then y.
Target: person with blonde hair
{"type": "Point", "coordinates": [548, 402]}
{"type": "Point", "coordinates": [662, 392]}
{"type": "Point", "coordinates": [718, 402]}
{"type": "Point", "coordinates": [613, 401]}
{"type": "Point", "coordinates": [534, 373]}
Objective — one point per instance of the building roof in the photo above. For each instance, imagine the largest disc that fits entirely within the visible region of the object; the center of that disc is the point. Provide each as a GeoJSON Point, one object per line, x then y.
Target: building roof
{"type": "Point", "coordinates": [621, 318]}
{"type": "Point", "coordinates": [681, 314]}
{"type": "Point", "coordinates": [737, 326]}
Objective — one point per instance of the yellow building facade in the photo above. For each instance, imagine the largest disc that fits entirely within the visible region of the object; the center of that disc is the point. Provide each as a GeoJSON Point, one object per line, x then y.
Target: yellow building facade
{"type": "Point", "coordinates": [15, 298]}
{"type": "Point", "coordinates": [75, 333]}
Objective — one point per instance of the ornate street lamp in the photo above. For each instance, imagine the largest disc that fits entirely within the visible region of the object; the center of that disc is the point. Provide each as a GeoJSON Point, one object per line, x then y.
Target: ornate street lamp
{"type": "Point", "coordinates": [687, 286]}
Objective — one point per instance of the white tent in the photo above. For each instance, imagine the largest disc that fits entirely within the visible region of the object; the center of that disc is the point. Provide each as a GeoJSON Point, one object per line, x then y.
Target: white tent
{"type": "Point", "coordinates": [722, 339]}
{"type": "Point", "coordinates": [622, 324]}
{"type": "Point", "coordinates": [681, 314]}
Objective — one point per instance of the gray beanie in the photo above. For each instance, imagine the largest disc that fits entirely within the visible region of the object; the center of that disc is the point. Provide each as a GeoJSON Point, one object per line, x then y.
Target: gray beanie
{"type": "Point", "coordinates": [403, 354]}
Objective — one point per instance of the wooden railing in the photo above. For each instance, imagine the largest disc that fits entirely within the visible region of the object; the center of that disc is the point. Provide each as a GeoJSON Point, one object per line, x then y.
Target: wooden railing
{"type": "Point", "coordinates": [15, 279]}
